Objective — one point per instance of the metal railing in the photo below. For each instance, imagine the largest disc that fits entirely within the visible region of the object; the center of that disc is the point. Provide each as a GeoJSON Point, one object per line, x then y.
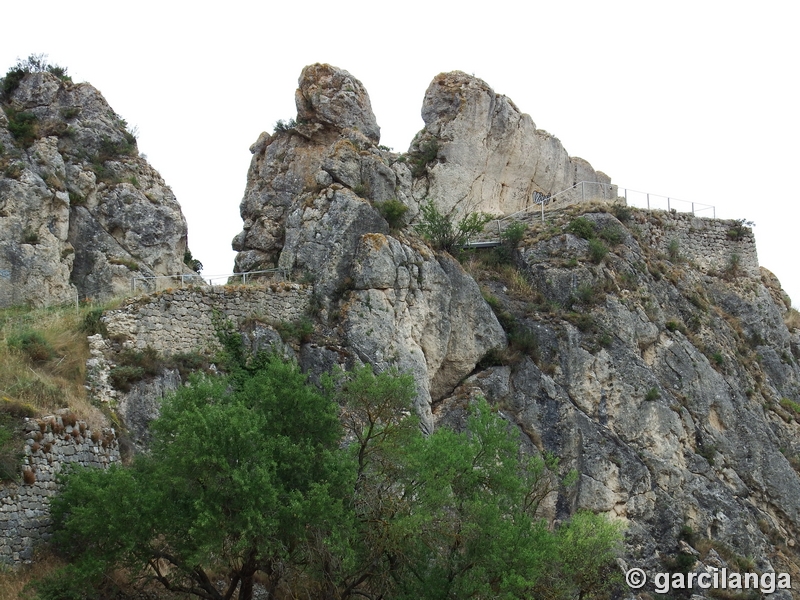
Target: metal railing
{"type": "Point", "coordinates": [657, 202]}
{"type": "Point", "coordinates": [582, 191]}
{"type": "Point", "coordinates": [161, 282]}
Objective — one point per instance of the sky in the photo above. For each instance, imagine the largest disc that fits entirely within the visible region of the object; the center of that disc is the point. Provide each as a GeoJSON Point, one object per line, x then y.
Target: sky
{"type": "Point", "coordinates": [693, 100]}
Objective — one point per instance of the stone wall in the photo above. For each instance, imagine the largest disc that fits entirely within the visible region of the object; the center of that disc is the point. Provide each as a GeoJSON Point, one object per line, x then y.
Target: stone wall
{"type": "Point", "coordinates": [50, 444]}
{"type": "Point", "coordinates": [706, 242]}
{"type": "Point", "coordinates": [183, 320]}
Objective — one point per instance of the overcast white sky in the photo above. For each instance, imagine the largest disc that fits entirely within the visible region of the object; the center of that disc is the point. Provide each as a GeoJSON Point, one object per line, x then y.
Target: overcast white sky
{"type": "Point", "coordinates": [695, 100]}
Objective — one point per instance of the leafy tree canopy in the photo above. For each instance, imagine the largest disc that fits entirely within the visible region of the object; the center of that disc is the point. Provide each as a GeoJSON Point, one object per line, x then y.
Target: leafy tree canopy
{"type": "Point", "coordinates": [334, 494]}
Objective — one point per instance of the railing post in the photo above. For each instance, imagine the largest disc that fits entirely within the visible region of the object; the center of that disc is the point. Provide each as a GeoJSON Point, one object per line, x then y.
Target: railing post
{"type": "Point", "coordinates": [626, 195]}
{"type": "Point", "coordinates": [133, 285]}
{"type": "Point", "coordinates": [648, 201]}
{"type": "Point", "coordinates": [583, 191]}
{"type": "Point", "coordinates": [668, 208]}
{"type": "Point", "coordinates": [693, 209]}
{"type": "Point", "coordinates": [244, 278]}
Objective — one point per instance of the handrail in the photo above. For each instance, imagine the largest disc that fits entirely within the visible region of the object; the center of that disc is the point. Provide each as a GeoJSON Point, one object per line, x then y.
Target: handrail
{"type": "Point", "coordinates": [540, 204]}
{"type": "Point", "coordinates": [190, 278]}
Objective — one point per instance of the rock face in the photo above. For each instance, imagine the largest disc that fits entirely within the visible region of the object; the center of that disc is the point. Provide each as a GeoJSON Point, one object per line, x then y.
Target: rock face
{"type": "Point", "coordinates": [671, 385]}
{"type": "Point", "coordinates": [490, 156]}
{"type": "Point", "coordinates": [662, 372]}
{"type": "Point", "coordinates": [80, 210]}
{"type": "Point", "coordinates": [310, 207]}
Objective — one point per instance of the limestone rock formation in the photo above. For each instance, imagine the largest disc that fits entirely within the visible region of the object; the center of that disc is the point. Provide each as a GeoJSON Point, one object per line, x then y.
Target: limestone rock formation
{"type": "Point", "coordinates": [311, 207]}
{"type": "Point", "coordinates": [80, 210]}
{"type": "Point", "coordinates": [662, 372]}
{"type": "Point", "coordinates": [671, 385]}
{"type": "Point", "coordinates": [489, 156]}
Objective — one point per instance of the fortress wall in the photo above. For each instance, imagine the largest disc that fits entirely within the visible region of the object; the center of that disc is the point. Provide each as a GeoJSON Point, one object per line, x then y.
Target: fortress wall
{"type": "Point", "coordinates": [51, 443]}
{"type": "Point", "coordinates": [183, 320]}
{"type": "Point", "coordinates": [707, 242]}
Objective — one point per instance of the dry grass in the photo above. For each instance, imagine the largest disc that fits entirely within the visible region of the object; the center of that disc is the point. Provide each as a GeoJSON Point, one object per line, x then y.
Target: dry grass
{"type": "Point", "coordinates": [792, 318]}
{"type": "Point", "coordinates": [51, 379]}
{"type": "Point", "coordinates": [13, 582]}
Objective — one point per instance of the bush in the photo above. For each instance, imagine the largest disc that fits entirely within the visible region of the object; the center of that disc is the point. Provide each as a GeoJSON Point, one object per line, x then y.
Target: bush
{"type": "Point", "coordinates": [622, 212]}
{"type": "Point", "coordinates": [586, 293]}
{"type": "Point", "coordinates": [524, 340]}
{"type": "Point", "coordinates": [35, 63]}
{"type": "Point", "coordinates": [674, 250]}
{"type": "Point", "coordinates": [612, 234]}
{"type": "Point", "coordinates": [582, 227]}
{"type": "Point", "coordinates": [191, 262]}
{"type": "Point", "coordinates": [739, 229]}
{"type": "Point", "coordinates": [297, 331]}
{"type": "Point", "coordinates": [442, 233]}
{"type": "Point", "coordinates": [123, 377]}
{"type": "Point", "coordinates": [22, 125]}
{"type": "Point", "coordinates": [135, 365]}
{"type": "Point", "coordinates": [282, 126]}
{"type": "Point", "coordinates": [393, 211]}
{"type": "Point", "coordinates": [93, 323]}
{"type": "Point", "coordinates": [652, 394]}
{"type": "Point", "coordinates": [427, 153]}
{"type": "Point", "coordinates": [513, 234]}
{"type": "Point", "coordinates": [597, 250]}
{"type": "Point", "coordinates": [33, 344]}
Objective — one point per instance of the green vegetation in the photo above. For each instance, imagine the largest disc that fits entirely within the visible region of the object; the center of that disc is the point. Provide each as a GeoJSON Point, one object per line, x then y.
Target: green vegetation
{"type": "Point", "coordinates": [191, 262]}
{"type": "Point", "coordinates": [739, 229]}
{"type": "Point", "coordinates": [440, 231]}
{"type": "Point", "coordinates": [35, 63]}
{"type": "Point", "coordinates": [248, 478]}
{"type": "Point", "coordinates": [586, 229]}
{"type": "Point", "coordinates": [31, 343]}
{"type": "Point", "coordinates": [297, 331]}
{"type": "Point", "coordinates": [790, 405]}
{"type": "Point", "coordinates": [12, 415]}
{"type": "Point", "coordinates": [43, 355]}
{"type": "Point", "coordinates": [582, 227]}
{"type": "Point", "coordinates": [674, 250]}
{"type": "Point", "coordinates": [597, 250]}
{"type": "Point", "coordinates": [22, 125]}
{"type": "Point", "coordinates": [282, 126]}
{"type": "Point", "coordinates": [427, 153]}
{"type": "Point", "coordinates": [393, 211]}
{"type": "Point", "coordinates": [622, 212]}
{"type": "Point", "coordinates": [509, 241]}
{"type": "Point", "coordinates": [652, 394]}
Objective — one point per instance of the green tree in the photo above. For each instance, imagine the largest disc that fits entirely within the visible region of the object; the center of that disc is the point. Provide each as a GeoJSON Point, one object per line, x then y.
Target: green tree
{"type": "Point", "coordinates": [248, 474]}
{"type": "Point", "coordinates": [241, 478]}
{"type": "Point", "coordinates": [444, 234]}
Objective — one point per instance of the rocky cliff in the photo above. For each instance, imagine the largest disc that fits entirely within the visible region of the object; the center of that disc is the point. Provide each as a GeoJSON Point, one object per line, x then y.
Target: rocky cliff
{"type": "Point", "coordinates": [80, 210]}
{"type": "Point", "coordinates": [648, 350]}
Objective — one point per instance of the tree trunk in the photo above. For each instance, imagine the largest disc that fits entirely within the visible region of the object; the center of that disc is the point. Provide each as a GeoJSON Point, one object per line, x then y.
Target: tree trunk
{"type": "Point", "coordinates": [246, 587]}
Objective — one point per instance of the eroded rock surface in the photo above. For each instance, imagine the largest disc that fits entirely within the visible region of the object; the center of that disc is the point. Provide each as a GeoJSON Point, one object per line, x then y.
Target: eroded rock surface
{"type": "Point", "coordinates": [490, 156]}
{"type": "Point", "coordinates": [80, 210]}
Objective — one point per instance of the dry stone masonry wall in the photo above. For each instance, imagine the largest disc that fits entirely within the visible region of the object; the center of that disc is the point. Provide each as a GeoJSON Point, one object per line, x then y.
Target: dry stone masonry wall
{"type": "Point", "coordinates": [51, 443]}
{"type": "Point", "coordinates": [183, 320]}
{"type": "Point", "coordinates": [713, 244]}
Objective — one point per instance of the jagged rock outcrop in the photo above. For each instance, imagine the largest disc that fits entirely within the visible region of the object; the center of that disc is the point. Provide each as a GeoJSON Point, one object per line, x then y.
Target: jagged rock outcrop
{"type": "Point", "coordinates": [309, 207]}
{"type": "Point", "coordinates": [662, 372]}
{"type": "Point", "coordinates": [80, 210]}
{"type": "Point", "coordinates": [489, 155]}
{"type": "Point", "coordinates": [671, 387]}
